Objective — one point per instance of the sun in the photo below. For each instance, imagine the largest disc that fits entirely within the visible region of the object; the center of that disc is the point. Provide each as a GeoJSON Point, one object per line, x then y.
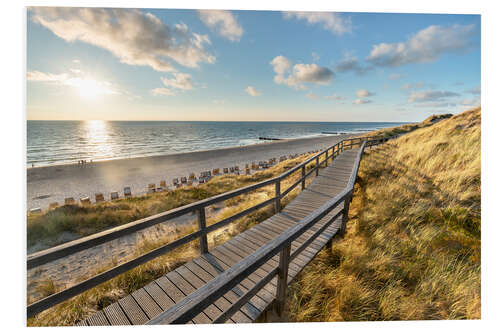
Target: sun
{"type": "Point", "coordinates": [90, 88]}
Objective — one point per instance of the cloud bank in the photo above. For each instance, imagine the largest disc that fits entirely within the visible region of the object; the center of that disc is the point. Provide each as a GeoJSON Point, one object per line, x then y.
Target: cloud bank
{"type": "Point", "coordinates": [427, 45]}
{"type": "Point", "coordinates": [333, 22]}
{"type": "Point", "coordinates": [223, 22]}
{"type": "Point", "coordinates": [134, 37]}
{"type": "Point", "coordinates": [299, 74]}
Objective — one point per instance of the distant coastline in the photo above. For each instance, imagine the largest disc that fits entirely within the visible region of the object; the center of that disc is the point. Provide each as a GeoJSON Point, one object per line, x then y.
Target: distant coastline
{"type": "Point", "coordinates": [54, 183]}
{"type": "Point", "coordinates": [67, 142]}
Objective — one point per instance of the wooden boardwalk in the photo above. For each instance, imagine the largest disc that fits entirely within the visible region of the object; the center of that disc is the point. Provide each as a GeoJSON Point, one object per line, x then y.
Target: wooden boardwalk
{"type": "Point", "coordinates": [159, 295]}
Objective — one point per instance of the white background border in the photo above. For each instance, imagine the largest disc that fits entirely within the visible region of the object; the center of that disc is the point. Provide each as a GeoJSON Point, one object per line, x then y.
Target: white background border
{"type": "Point", "coordinates": [13, 143]}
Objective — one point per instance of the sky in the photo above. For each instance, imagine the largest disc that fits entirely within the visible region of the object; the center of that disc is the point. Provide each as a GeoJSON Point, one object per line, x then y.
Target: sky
{"type": "Point", "coordinates": [216, 65]}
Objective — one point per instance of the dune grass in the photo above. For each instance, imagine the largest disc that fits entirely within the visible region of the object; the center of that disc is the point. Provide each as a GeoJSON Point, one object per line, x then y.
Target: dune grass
{"type": "Point", "coordinates": [81, 220]}
{"type": "Point", "coordinates": [46, 228]}
{"type": "Point", "coordinates": [413, 241]}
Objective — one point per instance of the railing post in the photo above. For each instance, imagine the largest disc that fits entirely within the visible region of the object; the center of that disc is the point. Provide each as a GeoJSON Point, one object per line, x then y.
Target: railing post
{"type": "Point", "coordinates": [342, 146]}
{"type": "Point", "coordinates": [282, 279]}
{"type": "Point", "coordinates": [202, 225]}
{"type": "Point", "coordinates": [277, 204]}
{"type": "Point", "coordinates": [317, 166]}
{"type": "Point", "coordinates": [326, 157]}
{"type": "Point", "coordinates": [303, 177]}
{"type": "Point", "coordinates": [345, 215]}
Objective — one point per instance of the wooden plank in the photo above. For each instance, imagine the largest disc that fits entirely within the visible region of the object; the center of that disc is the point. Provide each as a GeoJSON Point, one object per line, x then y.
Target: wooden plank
{"type": "Point", "coordinates": [231, 259]}
{"type": "Point", "coordinates": [230, 296]}
{"type": "Point", "coordinates": [261, 302]}
{"type": "Point", "coordinates": [211, 311]}
{"type": "Point", "coordinates": [222, 303]}
{"type": "Point", "coordinates": [160, 297]}
{"type": "Point", "coordinates": [214, 268]}
{"type": "Point", "coordinates": [248, 241]}
{"type": "Point", "coordinates": [176, 295]}
{"type": "Point", "coordinates": [132, 310]}
{"type": "Point", "coordinates": [115, 315]}
{"type": "Point", "coordinates": [147, 304]}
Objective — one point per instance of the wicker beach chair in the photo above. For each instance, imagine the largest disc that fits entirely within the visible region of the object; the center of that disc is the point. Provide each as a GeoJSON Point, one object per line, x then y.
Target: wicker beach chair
{"type": "Point", "coordinates": [114, 195]}
{"type": "Point", "coordinates": [183, 180]}
{"type": "Point", "coordinates": [192, 176]}
{"type": "Point", "coordinates": [225, 170]}
{"type": "Point", "coordinates": [163, 183]}
{"type": "Point", "coordinates": [201, 180]}
{"type": "Point", "coordinates": [69, 201]}
{"type": "Point", "coordinates": [231, 169]}
{"type": "Point", "coordinates": [85, 201]}
{"type": "Point", "coordinates": [127, 192]}
{"type": "Point", "coordinates": [247, 171]}
{"type": "Point", "coordinates": [99, 197]}
{"type": "Point", "coordinates": [175, 182]}
{"type": "Point", "coordinates": [236, 168]}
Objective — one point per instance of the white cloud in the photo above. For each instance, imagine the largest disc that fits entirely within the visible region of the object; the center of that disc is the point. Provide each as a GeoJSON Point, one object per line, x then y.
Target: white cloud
{"type": "Point", "coordinates": [180, 81]}
{"type": "Point", "coordinates": [430, 95]}
{"type": "Point", "coordinates": [335, 97]}
{"type": "Point", "coordinates": [163, 91]}
{"type": "Point", "coordinates": [315, 56]}
{"type": "Point", "coordinates": [396, 76]}
{"type": "Point", "coordinates": [360, 101]}
{"type": "Point", "coordinates": [46, 77]}
{"type": "Point", "coordinates": [474, 91]}
{"type": "Point", "coordinates": [312, 95]}
{"type": "Point", "coordinates": [252, 91]}
{"type": "Point", "coordinates": [427, 45]}
{"type": "Point", "coordinates": [437, 105]}
{"type": "Point", "coordinates": [223, 22]}
{"type": "Point", "coordinates": [134, 37]}
{"type": "Point", "coordinates": [351, 64]}
{"type": "Point", "coordinates": [83, 84]}
{"type": "Point", "coordinates": [364, 93]}
{"type": "Point", "coordinates": [76, 61]}
{"type": "Point", "coordinates": [412, 86]}
{"type": "Point", "coordinates": [333, 22]}
{"type": "Point", "coordinates": [471, 102]}
{"type": "Point", "coordinates": [299, 73]}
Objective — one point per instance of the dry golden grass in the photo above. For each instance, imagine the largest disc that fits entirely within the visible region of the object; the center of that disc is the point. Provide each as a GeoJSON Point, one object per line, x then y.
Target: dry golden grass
{"type": "Point", "coordinates": [80, 307]}
{"type": "Point", "coordinates": [412, 248]}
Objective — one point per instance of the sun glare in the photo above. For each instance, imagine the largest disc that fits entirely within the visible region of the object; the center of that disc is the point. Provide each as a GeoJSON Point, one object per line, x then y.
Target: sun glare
{"type": "Point", "coordinates": [89, 88]}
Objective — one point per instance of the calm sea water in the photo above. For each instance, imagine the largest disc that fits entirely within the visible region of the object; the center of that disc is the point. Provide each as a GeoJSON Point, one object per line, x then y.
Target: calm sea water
{"type": "Point", "coordinates": [61, 142]}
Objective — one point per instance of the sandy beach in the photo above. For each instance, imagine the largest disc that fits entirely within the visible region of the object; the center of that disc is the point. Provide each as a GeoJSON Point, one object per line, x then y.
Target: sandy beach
{"type": "Point", "coordinates": [85, 180]}
{"type": "Point", "coordinates": [54, 183]}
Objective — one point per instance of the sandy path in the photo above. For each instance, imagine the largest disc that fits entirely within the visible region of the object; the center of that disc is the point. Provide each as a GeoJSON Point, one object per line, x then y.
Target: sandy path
{"type": "Point", "coordinates": [54, 183]}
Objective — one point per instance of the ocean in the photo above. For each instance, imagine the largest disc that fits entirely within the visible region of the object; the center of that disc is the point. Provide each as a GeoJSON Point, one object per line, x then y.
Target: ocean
{"type": "Point", "coordinates": [63, 142]}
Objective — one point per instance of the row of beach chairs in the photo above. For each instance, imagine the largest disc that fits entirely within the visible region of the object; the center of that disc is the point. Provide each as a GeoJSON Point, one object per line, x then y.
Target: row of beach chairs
{"type": "Point", "coordinates": [204, 177]}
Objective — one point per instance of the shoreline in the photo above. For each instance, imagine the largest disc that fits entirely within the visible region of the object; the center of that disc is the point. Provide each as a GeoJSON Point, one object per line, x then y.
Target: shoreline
{"type": "Point", "coordinates": [46, 184]}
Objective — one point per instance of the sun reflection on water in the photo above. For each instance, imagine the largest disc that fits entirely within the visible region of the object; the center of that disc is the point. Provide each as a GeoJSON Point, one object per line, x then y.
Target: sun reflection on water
{"type": "Point", "coordinates": [98, 139]}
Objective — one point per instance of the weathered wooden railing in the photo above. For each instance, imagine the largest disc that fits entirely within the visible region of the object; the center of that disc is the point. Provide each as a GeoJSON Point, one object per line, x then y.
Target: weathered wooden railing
{"type": "Point", "coordinates": [69, 248]}
{"type": "Point", "coordinates": [197, 301]}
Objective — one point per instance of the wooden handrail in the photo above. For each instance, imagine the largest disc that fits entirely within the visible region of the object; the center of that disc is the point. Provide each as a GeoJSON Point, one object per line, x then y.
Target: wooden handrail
{"type": "Point", "coordinates": [194, 303]}
{"type": "Point", "coordinates": [57, 252]}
